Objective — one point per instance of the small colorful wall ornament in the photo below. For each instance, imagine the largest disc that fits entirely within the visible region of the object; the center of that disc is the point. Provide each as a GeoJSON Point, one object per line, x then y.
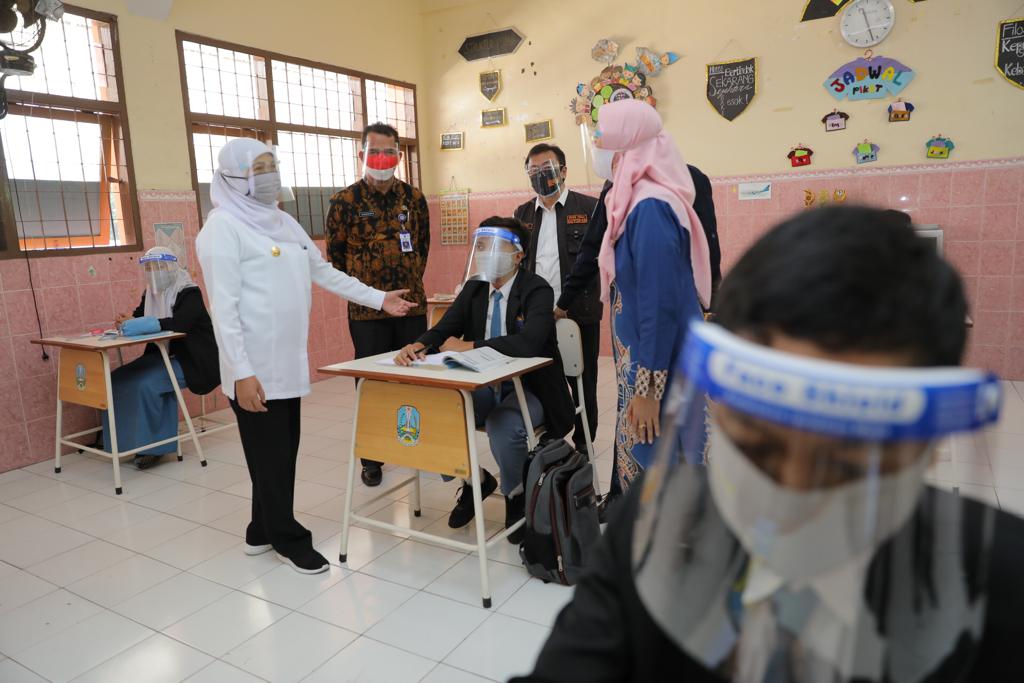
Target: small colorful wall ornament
{"type": "Point", "coordinates": [869, 78]}
{"type": "Point", "coordinates": [605, 51]}
{"type": "Point", "coordinates": [650, 63]}
{"type": "Point", "coordinates": [823, 197]}
{"type": "Point", "coordinates": [939, 147]}
{"type": "Point", "coordinates": [900, 111]}
{"type": "Point", "coordinates": [866, 152]}
{"type": "Point", "coordinates": [618, 82]}
{"type": "Point", "coordinates": [835, 121]}
{"type": "Point", "coordinates": [800, 156]}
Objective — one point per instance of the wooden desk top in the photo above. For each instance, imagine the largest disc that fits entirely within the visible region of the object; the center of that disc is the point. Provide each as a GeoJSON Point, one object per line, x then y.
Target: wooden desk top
{"type": "Point", "coordinates": [88, 342]}
{"type": "Point", "coordinates": [433, 376]}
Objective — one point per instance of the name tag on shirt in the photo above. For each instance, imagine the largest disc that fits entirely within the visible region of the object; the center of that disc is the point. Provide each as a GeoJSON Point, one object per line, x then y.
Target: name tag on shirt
{"type": "Point", "coordinates": [367, 214]}
{"type": "Point", "coordinates": [576, 218]}
{"type": "Point", "coordinates": [406, 241]}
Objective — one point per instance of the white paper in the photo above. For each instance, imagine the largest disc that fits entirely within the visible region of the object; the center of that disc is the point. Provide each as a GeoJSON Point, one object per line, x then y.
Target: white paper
{"type": "Point", "coordinates": [476, 360]}
{"type": "Point", "coordinates": [754, 191]}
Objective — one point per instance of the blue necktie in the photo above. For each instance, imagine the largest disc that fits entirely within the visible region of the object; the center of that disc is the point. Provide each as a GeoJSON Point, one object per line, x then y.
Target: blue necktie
{"type": "Point", "coordinates": [495, 330]}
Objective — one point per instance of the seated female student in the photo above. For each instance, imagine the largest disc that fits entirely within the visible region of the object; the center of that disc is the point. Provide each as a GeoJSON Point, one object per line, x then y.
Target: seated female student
{"type": "Point", "coordinates": [144, 400]}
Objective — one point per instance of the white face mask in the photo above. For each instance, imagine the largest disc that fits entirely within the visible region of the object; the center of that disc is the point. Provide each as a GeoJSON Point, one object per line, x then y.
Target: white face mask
{"type": "Point", "coordinates": [265, 187]}
{"type": "Point", "coordinates": [800, 534]}
{"type": "Point", "coordinates": [495, 265]}
{"type": "Point", "coordinates": [601, 162]}
{"type": "Point", "coordinates": [381, 174]}
{"type": "Point", "coordinates": [162, 279]}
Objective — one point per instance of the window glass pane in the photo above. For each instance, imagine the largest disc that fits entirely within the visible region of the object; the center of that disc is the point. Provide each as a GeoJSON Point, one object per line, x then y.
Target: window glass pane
{"type": "Point", "coordinates": [392, 104]}
{"type": "Point", "coordinates": [225, 82]}
{"type": "Point", "coordinates": [207, 142]}
{"type": "Point", "coordinates": [316, 97]}
{"type": "Point", "coordinates": [315, 167]}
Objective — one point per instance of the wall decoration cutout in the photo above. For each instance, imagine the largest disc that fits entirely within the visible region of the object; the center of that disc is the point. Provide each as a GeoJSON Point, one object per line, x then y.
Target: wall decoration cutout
{"type": "Point", "coordinates": [939, 147]}
{"type": "Point", "coordinates": [800, 156]}
{"type": "Point", "coordinates": [1010, 51]}
{"type": "Point", "coordinates": [620, 82]}
{"type": "Point", "coordinates": [754, 191]}
{"type": "Point", "coordinates": [869, 78]}
{"type": "Point", "coordinates": [454, 209]}
{"type": "Point", "coordinates": [490, 84]}
{"type": "Point", "coordinates": [451, 142]}
{"type": "Point", "coordinates": [731, 86]}
{"type": "Point", "coordinates": [900, 111]}
{"type": "Point", "coordinates": [492, 44]}
{"type": "Point", "coordinates": [172, 236]}
{"type": "Point", "coordinates": [539, 130]}
{"type": "Point", "coordinates": [822, 9]}
{"type": "Point", "coordinates": [866, 152]}
{"type": "Point", "coordinates": [605, 51]}
{"type": "Point", "coordinates": [837, 196]}
{"type": "Point", "coordinates": [835, 121]}
{"type": "Point", "coordinates": [493, 118]}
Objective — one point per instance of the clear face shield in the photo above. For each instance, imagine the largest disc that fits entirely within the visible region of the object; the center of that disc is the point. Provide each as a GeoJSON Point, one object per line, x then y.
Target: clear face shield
{"type": "Point", "coordinates": [546, 178]}
{"type": "Point", "coordinates": [263, 180]}
{"type": "Point", "coordinates": [380, 162]}
{"type": "Point", "coordinates": [161, 270]}
{"type": "Point", "coordinates": [810, 546]}
{"type": "Point", "coordinates": [493, 255]}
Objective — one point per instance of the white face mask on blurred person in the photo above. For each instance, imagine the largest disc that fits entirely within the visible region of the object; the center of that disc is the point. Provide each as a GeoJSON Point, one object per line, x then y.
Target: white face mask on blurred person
{"type": "Point", "coordinates": [495, 265]}
{"type": "Point", "coordinates": [601, 162]}
{"type": "Point", "coordinates": [798, 534]}
{"type": "Point", "coordinates": [265, 187]}
{"type": "Point", "coordinates": [162, 279]}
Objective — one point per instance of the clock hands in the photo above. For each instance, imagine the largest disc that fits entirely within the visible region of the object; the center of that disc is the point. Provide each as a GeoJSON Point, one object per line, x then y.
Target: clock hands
{"type": "Point", "coordinates": [868, 22]}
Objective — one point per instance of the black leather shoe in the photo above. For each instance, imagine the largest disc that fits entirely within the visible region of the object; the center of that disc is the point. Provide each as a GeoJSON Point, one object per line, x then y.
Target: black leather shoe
{"type": "Point", "coordinates": [372, 475]}
{"type": "Point", "coordinates": [515, 510]}
{"type": "Point", "coordinates": [463, 513]}
{"type": "Point", "coordinates": [144, 462]}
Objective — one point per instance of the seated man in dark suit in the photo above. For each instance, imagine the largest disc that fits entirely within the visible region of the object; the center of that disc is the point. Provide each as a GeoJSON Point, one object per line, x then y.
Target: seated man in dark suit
{"type": "Point", "coordinates": [511, 311]}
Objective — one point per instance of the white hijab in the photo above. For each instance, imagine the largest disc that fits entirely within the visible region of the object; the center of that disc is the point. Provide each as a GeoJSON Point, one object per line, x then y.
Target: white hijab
{"type": "Point", "coordinates": [230, 192]}
{"type": "Point", "coordinates": [161, 304]}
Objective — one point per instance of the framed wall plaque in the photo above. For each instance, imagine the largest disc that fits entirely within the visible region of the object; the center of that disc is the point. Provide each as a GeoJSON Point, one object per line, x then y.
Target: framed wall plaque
{"type": "Point", "coordinates": [493, 118]}
{"type": "Point", "coordinates": [1010, 51]}
{"type": "Point", "coordinates": [451, 142]}
{"type": "Point", "coordinates": [539, 130]}
{"type": "Point", "coordinates": [490, 84]}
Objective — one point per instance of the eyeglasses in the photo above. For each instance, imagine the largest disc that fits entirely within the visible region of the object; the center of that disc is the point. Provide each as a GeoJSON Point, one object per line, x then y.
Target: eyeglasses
{"type": "Point", "coordinates": [389, 151]}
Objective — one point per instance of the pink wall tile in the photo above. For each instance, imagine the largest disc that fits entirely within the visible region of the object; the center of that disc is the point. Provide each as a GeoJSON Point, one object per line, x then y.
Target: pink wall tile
{"type": "Point", "coordinates": [38, 396]}
{"type": "Point", "coordinates": [987, 357]}
{"type": "Point", "coordinates": [999, 223]}
{"type": "Point", "coordinates": [61, 309]}
{"type": "Point", "coordinates": [11, 411]}
{"type": "Point", "coordinates": [1003, 185]}
{"type": "Point", "coordinates": [964, 224]}
{"type": "Point", "coordinates": [1014, 364]}
{"type": "Point", "coordinates": [21, 311]}
{"type": "Point", "coordinates": [92, 269]}
{"type": "Point", "coordinates": [936, 189]}
{"type": "Point", "coordinates": [13, 275]}
{"type": "Point", "coordinates": [1017, 328]}
{"type": "Point", "coordinates": [997, 258]}
{"type": "Point", "coordinates": [53, 272]}
{"type": "Point", "coordinates": [904, 191]}
{"type": "Point", "coordinates": [994, 293]}
{"type": "Point", "coordinates": [14, 450]}
{"type": "Point", "coordinates": [1017, 302]}
{"type": "Point", "coordinates": [991, 328]}
{"type": "Point", "coordinates": [97, 305]}
{"type": "Point", "coordinates": [966, 256]}
{"type": "Point", "coordinates": [968, 188]}
{"type": "Point", "coordinates": [28, 357]}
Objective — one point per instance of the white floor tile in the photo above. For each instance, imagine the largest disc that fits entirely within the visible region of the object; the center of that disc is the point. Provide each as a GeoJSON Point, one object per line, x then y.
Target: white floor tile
{"type": "Point", "coordinates": [78, 563]}
{"type": "Point", "coordinates": [8, 513]}
{"type": "Point", "coordinates": [286, 587]}
{"type": "Point", "coordinates": [151, 532]}
{"type": "Point", "coordinates": [462, 581]}
{"type": "Point", "coordinates": [364, 546]}
{"type": "Point", "coordinates": [193, 547]}
{"type": "Point", "coordinates": [15, 488]}
{"type": "Point", "coordinates": [47, 497]}
{"type": "Point", "coordinates": [226, 624]}
{"type": "Point", "coordinates": [83, 646]}
{"type": "Point", "coordinates": [321, 528]}
{"type": "Point", "coordinates": [332, 509]}
{"type": "Point", "coordinates": [77, 508]}
{"type": "Point", "coordinates": [42, 618]}
{"type": "Point", "coordinates": [219, 672]}
{"type": "Point", "coordinates": [233, 568]}
{"type": "Point", "coordinates": [400, 513]}
{"type": "Point", "coordinates": [18, 587]}
{"type": "Point", "coordinates": [538, 602]}
{"type": "Point", "coordinates": [415, 626]}
{"type": "Point", "coordinates": [290, 649]}
{"type": "Point", "coordinates": [1011, 500]}
{"type": "Point", "coordinates": [27, 540]}
{"type": "Point", "coordinates": [172, 496]}
{"type": "Point", "coordinates": [358, 602]}
{"type": "Point", "coordinates": [413, 564]}
{"type": "Point", "coordinates": [117, 583]}
{"type": "Point", "coordinates": [171, 601]}
{"type": "Point", "coordinates": [501, 648]}
{"type": "Point", "coordinates": [466, 534]}
{"type": "Point", "coordinates": [213, 505]}
{"type": "Point", "coordinates": [112, 520]}
{"type": "Point", "coordinates": [443, 673]}
{"type": "Point", "coordinates": [221, 477]}
{"type": "Point", "coordinates": [367, 661]}
{"type": "Point", "coordinates": [235, 522]}
{"type": "Point", "coordinates": [309, 494]}
{"type": "Point", "coordinates": [12, 672]}
{"type": "Point", "coordinates": [242, 488]}
{"type": "Point", "coordinates": [135, 484]}
{"type": "Point", "coordinates": [158, 659]}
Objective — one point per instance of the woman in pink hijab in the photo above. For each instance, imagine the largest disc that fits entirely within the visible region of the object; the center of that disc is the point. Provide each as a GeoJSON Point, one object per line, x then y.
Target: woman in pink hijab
{"type": "Point", "coordinates": [655, 269]}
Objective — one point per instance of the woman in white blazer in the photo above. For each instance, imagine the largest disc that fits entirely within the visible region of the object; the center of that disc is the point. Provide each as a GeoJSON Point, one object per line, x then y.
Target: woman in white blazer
{"type": "Point", "coordinates": [258, 264]}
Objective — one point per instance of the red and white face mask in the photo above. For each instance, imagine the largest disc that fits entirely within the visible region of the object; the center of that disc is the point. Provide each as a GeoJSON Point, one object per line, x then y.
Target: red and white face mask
{"type": "Point", "coordinates": [380, 163]}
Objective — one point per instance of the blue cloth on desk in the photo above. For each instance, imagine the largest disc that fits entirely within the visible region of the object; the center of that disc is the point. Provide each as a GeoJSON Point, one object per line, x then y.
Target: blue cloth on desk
{"type": "Point", "coordinates": [136, 327]}
{"type": "Point", "coordinates": [145, 407]}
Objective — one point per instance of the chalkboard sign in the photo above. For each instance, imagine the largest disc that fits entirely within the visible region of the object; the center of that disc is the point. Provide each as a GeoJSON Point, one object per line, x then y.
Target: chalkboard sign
{"type": "Point", "coordinates": [492, 118]}
{"type": "Point", "coordinates": [731, 86]}
{"type": "Point", "coordinates": [822, 9]}
{"type": "Point", "coordinates": [490, 84]}
{"type": "Point", "coordinates": [1010, 51]}
{"type": "Point", "coordinates": [491, 44]}
{"type": "Point", "coordinates": [452, 141]}
{"type": "Point", "coordinates": [539, 130]}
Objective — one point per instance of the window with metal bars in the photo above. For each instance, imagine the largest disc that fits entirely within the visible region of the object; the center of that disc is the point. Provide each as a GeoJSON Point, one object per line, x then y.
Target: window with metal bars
{"type": "Point", "coordinates": [314, 113]}
{"type": "Point", "coordinates": [66, 179]}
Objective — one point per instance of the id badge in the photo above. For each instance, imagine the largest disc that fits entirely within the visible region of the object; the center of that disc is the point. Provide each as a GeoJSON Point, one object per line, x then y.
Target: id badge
{"type": "Point", "coordinates": [406, 240]}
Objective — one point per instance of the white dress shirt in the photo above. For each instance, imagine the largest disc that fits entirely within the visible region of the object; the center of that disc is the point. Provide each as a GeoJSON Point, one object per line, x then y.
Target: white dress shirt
{"type": "Point", "coordinates": [503, 305]}
{"type": "Point", "coordinates": [549, 264]}
{"type": "Point", "coordinates": [260, 303]}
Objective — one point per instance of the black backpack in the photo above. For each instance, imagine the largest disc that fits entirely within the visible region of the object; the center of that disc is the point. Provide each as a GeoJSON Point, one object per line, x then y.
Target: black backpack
{"type": "Point", "coordinates": [561, 514]}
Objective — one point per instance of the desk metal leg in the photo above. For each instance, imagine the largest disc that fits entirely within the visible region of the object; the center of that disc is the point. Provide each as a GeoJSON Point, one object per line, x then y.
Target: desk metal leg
{"type": "Point", "coordinates": [478, 502]}
{"type": "Point", "coordinates": [162, 345]}
{"type": "Point", "coordinates": [350, 486]}
{"type": "Point", "coordinates": [60, 430]}
{"type": "Point", "coordinates": [531, 438]}
{"type": "Point", "coordinates": [416, 509]}
{"type": "Point", "coordinates": [115, 453]}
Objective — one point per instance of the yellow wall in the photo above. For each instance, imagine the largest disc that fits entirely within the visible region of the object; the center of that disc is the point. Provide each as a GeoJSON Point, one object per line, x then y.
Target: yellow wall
{"type": "Point", "coordinates": [949, 43]}
{"type": "Point", "coordinates": [382, 37]}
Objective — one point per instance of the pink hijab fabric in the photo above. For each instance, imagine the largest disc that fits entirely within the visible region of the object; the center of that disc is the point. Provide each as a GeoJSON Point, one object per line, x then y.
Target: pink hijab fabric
{"type": "Point", "coordinates": [650, 167]}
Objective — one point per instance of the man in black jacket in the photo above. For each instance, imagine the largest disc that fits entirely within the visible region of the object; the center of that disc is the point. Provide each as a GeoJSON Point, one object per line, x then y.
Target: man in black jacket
{"type": "Point", "coordinates": [922, 587]}
{"type": "Point", "coordinates": [509, 310]}
{"type": "Point", "coordinates": [558, 219]}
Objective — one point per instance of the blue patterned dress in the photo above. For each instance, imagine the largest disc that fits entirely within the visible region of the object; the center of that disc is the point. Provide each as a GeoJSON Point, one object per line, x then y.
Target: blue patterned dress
{"type": "Point", "coordinates": [653, 300]}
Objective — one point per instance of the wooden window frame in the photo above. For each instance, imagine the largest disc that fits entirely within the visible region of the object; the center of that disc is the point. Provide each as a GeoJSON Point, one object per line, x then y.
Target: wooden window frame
{"type": "Point", "coordinates": [270, 127]}
{"type": "Point", "coordinates": [109, 114]}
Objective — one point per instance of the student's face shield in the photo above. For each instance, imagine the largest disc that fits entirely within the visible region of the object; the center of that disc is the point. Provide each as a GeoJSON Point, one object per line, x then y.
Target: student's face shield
{"type": "Point", "coordinates": [495, 254]}
{"type": "Point", "coordinates": [761, 560]}
{"type": "Point", "coordinates": [160, 269]}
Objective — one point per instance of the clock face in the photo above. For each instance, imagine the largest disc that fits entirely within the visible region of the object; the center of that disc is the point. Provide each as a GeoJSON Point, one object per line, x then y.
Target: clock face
{"type": "Point", "coordinates": [867, 22]}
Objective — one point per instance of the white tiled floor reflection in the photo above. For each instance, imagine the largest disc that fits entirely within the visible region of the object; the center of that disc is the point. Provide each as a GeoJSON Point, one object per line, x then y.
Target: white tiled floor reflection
{"type": "Point", "coordinates": [154, 586]}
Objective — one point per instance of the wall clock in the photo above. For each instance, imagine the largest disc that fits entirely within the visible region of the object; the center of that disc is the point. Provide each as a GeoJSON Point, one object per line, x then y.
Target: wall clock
{"type": "Point", "coordinates": [867, 22]}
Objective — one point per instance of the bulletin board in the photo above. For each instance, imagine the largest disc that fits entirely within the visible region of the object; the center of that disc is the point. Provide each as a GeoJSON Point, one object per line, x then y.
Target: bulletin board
{"type": "Point", "coordinates": [454, 205]}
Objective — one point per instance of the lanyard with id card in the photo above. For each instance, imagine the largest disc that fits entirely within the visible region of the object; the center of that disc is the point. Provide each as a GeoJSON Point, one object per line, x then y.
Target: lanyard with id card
{"type": "Point", "coordinates": [404, 237]}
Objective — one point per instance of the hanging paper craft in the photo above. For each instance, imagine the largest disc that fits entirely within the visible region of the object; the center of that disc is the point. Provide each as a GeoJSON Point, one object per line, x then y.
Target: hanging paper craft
{"type": "Point", "coordinates": [835, 121]}
{"type": "Point", "coordinates": [615, 82]}
{"type": "Point", "coordinates": [1010, 51]}
{"type": "Point", "coordinates": [939, 147]}
{"type": "Point", "coordinates": [605, 50]}
{"type": "Point", "coordinates": [869, 78]}
{"type": "Point", "coordinates": [731, 86]}
{"type": "Point", "coordinates": [822, 9]}
{"type": "Point", "coordinates": [866, 152]}
{"type": "Point", "coordinates": [800, 156]}
{"type": "Point", "coordinates": [454, 208]}
{"type": "Point", "coordinates": [900, 111]}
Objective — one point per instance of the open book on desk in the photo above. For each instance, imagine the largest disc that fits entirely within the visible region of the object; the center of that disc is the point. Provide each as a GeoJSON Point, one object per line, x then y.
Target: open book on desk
{"type": "Point", "coordinates": [478, 360]}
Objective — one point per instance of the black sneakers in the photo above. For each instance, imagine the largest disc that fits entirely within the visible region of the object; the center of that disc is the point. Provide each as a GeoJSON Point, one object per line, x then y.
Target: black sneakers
{"type": "Point", "coordinates": [144, 462]}
{"type": "Point", "coordinates": [463, 513]}
{"type": "Point", "coordinates": [306, 562]}
{"type": "Point", "coordinates": [515, 510]}
{"type": "Point", "coordinates": [372, 475]}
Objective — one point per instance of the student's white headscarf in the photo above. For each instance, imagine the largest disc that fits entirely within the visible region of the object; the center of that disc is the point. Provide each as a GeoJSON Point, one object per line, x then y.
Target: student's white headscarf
{"type": "Point", "coordinates": [230, 192]}
{"type": "Point", "coordinates": [162, 292]}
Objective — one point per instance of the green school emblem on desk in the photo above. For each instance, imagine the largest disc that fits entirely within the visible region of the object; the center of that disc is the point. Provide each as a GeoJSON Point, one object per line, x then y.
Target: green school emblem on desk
{"type": "Point", "coordinates": [408, 431]}
{"type": "Point", "coordinates": [80, 377]}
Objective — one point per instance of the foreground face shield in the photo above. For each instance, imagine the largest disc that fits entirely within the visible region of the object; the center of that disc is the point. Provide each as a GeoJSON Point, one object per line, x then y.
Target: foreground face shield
{"type": "Point", "coordinates": [545, 178]}
{"type": "Point", "coordinates": [161, 270]}
{"type": "Point", "coordinates": [810, 547]}
{"type": "Point", "coordinates": [493, 254]}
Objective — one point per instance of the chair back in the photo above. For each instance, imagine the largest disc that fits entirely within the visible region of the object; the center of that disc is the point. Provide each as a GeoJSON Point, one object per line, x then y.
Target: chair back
{"type": "Point", "coordinates": [570, 348]}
